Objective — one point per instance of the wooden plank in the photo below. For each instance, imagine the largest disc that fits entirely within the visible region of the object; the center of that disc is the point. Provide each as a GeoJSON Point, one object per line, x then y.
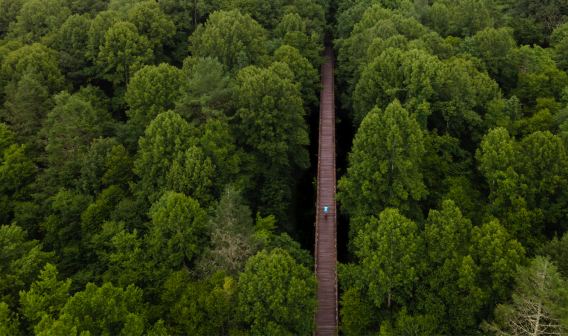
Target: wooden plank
{"type": "Point", "coordinates": [326, 226]}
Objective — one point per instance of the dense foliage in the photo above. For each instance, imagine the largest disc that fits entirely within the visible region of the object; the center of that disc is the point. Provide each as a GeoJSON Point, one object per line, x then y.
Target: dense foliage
{"type": "Point", "coordinates": [153, 155]}
{"type": "Point", "coordinates": [150, 153]}
{"type": "Point", "coordinates": [455, 186]}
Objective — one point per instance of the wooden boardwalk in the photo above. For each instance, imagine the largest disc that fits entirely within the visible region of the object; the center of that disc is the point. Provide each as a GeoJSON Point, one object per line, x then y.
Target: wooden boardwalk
{"type": "Point", "coordinates": [326, 226]}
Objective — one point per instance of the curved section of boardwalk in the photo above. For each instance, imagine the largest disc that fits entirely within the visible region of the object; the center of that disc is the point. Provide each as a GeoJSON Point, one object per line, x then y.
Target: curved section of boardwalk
{"type": "Point", "coordinates": [326, 226]}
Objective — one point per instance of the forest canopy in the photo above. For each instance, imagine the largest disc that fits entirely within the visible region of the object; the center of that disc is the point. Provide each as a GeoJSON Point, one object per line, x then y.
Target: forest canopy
{"type": "Point", "coordinates": [150, 155]}
{"type": "Point", "coordinates": [157, 166]}
{"type": "Point", "coordinates": [455, 181]}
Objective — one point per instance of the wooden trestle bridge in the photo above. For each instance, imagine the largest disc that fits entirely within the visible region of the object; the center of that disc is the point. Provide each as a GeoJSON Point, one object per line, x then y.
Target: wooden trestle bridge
{"type": "Point", "coordinates": [326, 224]}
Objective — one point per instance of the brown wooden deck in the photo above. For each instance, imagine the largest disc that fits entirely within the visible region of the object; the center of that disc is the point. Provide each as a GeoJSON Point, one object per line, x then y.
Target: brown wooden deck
{"type": "Point", "coordinates": [326, 226]}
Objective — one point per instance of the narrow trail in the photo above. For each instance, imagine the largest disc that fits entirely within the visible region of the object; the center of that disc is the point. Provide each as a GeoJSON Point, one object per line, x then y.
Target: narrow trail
{"type": "Point", "coordinates": [326, 225]}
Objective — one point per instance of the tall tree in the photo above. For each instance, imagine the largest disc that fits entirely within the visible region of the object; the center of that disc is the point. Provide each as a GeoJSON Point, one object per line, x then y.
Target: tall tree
{"type": "Point", "coordinates": [152, 23]}
{"type": "Point", "coordinates": [454, 297]}
{"type": "Point", "coordinates": [176, 232]}
{"type": "Point", "coordinates": [207, 89]}
{"type": "Point", "coordinates": [304, 73]}
{"type": "Point", "coordinates": [46, 296]}
{"type": "Point", "coordinates": [234, 39]}
{"type": "Point", "coordinates": [166, 139]}
{"type": "Point", "coordinates": [99, 310]}
{"type": "Point", "coordinates": [270, 123]}
{"type": "Point", "coordinates": [72, 43]}
{"type": "Point", "coordinates": [37, 60]}
{"type": "Point", "coordinates": [22, 259]}
{"type": "Point", "coordinates": [205, 307]}
{"type": "Point", "coordinates": [39, 19]}
{"type": "Point", "coordinates": [151, 91]}
{"type": "Point", "coordinates": [276, 295]}
{"type": "Point", "coordinates": [123, 52]}
{"type": "Point", "coordinates": [389, 249]}
{"type": "Point", "coordinates": [70, 127]}
{"type": "Point", "coordinates": [384, 164]}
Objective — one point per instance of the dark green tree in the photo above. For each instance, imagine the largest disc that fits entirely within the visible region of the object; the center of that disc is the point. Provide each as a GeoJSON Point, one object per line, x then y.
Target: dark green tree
{"type": "Point", "coordinates": [166, 139]}
{"type": "Point", "coordinates": [152, 23]}
{"type": "Point", "coordinates": [177, 231]}
{"type": "Point", "coordinates": [234, 39]}
{"type": "Point", "coordinates": [270, 124]}
{"type": "Point", "coordinates": [99, 310]}
{"type": "Point", "coordinates": [388, 249]}
{"type": "Point", "coordinates": [38, 20]}
{"type": "Point", "coordinates": [276, 294]}
{"type": "Point", "coordinates": [46, 296]}
{"type": "Point", "coordinates": [123, 52]}
{"type": "Point", "coordinates": [22, 259]}
{"type": "Point", "coordinates": [69, 129]}
{"type": "Point", "coordinates": [151, 91]}
{"type": "Point", "coordinates": [384, 164]}
{"type": "Point", "coordinates": [207, 89]}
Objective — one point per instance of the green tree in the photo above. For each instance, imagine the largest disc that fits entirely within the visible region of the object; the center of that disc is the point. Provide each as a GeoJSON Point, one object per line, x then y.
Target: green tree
{"type": "Point", "coordinates": [193, 174]}
{"type": "Point", "coordinates": [498, 254]}
{"type": "Point", "coordinates": [557, 251]}
{"type": "Point", "coordinates": [267, 13]}
{"type": "Point", "coordinates": [277, 295]}
{"type": "Point", "coordinates": [22, 259]}
{"type": "Point", "coordinates": [559, 41]}
{"type": "Point", "coordinates": [105, 310]}
{"type": "Point", "coordinates": [207, 89]}
{"type": "Point", "coordinates": [395, 74]}
{"type": "Point", "coordinates": [526, 180]}
{"type": "Point", "coordinates": [454, 296]}
{"type": "Point", "coordinates": [543, 165]}
{"type": "Point", "coordinates": [373, 23]}
{"type": "Point", "coordinates": [16, 171]}
{"type": "Point", "coordinates": [537, 75]}
{"type": "Point", "coordinates": [106, 163]}
{"type": "Point", "coordinates": [533, 21]}
{"type": "Point", "coordinates": [46, 296]}
{"type": "Point", "coordinates": [39, 19]}
{"type": "Point", "coordinates": [8, 12]}
{"type": "Point", "coordinates": [357, 315]}
{"type": "Point", "coordinates": [152, 23]}
{"type": "Point", "coordinates": [270, 122]}
{"type": "Point", "coordinates": [69, 128]}
{"type": "Point", "coordinates": [35, 59]}
{"type": "Point", "coordinates": [304, 73]}
{"type": "Point", "coordinates": [100, 211]}
{"type": "Point", "coordinates": [462, 17]}
{"type": "Point", "coordinates": [123, 52]}
{"type": "Point", "coordinates": [205, 307]}
{"type": "Point", "coordinates": [234, 39]}
{"type": "Point", "coordinates": [27, 104]}
{"type": "Point", "coordinates": [72, 43]}
{"type": "Point", "coordinates": [62, 229]}
{"type": "Point", "coordinates": [9, 323]}
{"type": "Point", "coordinates": [176, 232]}
{"type": "Point", "coordinates": [165, 140]}
{"type": "Point", "coordinates": [219, 144]}
{"type": "Point", "coordinates": [122, 254]}
{"type": "Point", "coordinates": [384, 164]}
{"type": "Point", "coordinates": [151, 91]}
{"type": "Point", "coordinates": [388, 249]}
{"type": "Point", "coordinates": [494, 46]}
{"type": "Point", "coordinates": [100, 24]}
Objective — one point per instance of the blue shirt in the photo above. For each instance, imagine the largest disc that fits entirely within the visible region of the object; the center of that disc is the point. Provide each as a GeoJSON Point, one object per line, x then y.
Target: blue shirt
{"type": "Point", "coordinates": [325, 209]}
